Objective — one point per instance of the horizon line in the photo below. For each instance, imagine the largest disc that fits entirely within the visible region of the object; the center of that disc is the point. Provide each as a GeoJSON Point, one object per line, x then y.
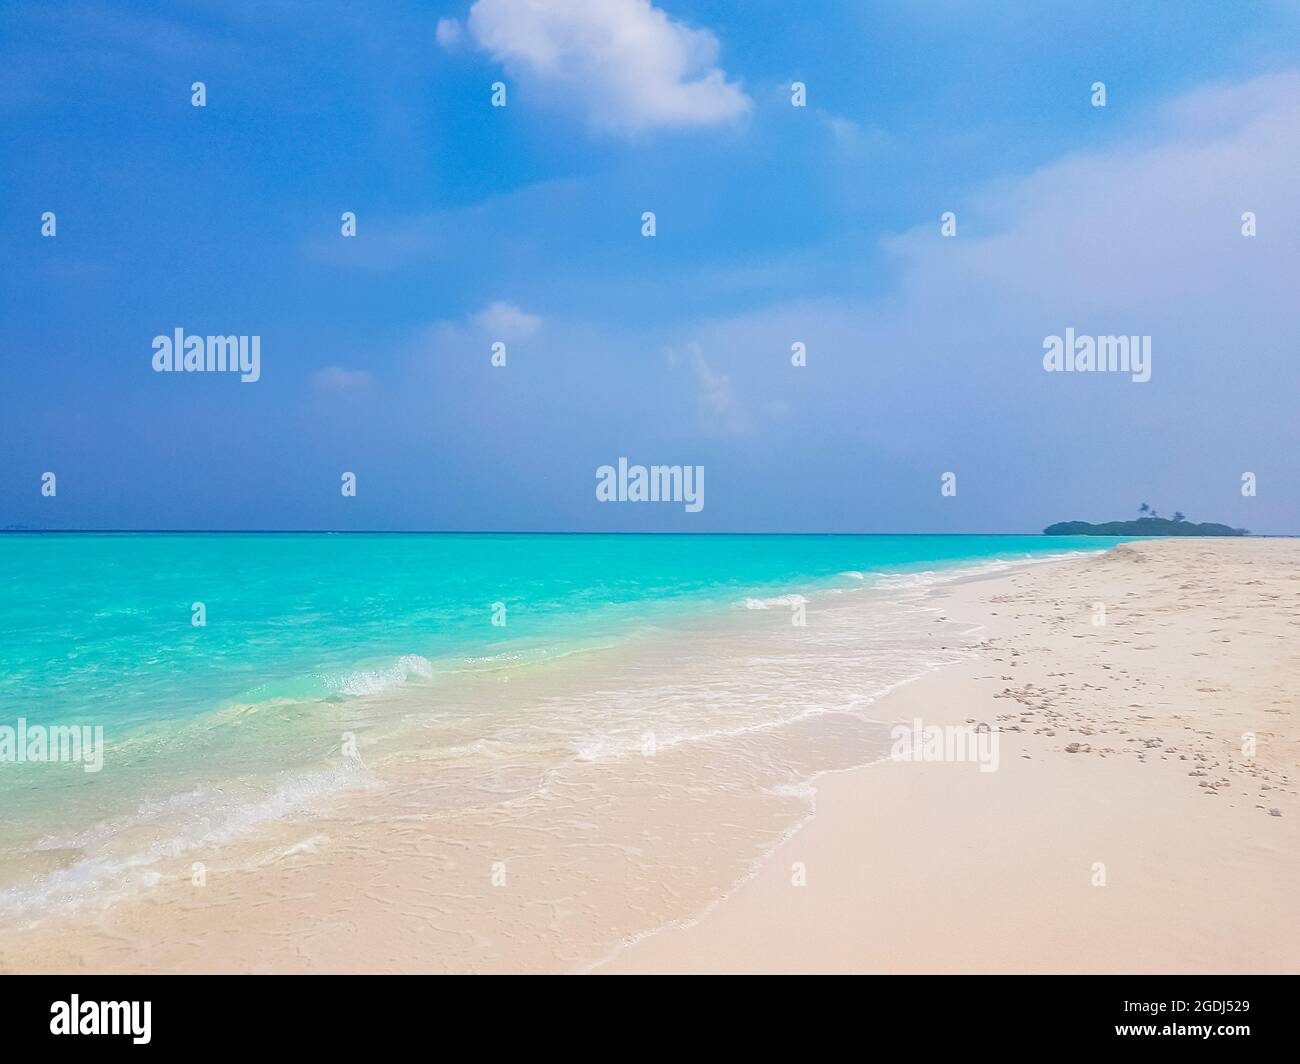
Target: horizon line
{"type": "Point", "coordinates": [571, 532]}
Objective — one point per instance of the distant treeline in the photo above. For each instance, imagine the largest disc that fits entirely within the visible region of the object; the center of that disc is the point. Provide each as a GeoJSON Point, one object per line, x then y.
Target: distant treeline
{"type": "Point", "coordinates": [1143, 526]}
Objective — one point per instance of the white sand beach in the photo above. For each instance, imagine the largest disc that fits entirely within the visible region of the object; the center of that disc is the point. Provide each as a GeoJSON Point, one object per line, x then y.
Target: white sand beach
{"type": "Point", "coordinates": [915, 867]}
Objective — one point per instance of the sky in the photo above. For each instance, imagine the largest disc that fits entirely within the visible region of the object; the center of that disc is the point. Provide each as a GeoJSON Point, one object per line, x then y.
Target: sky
{"type": "Point", "coordinates": [774, 225]}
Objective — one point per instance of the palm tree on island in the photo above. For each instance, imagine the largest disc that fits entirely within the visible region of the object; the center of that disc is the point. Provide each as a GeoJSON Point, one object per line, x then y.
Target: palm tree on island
{"type": "Point", "coordinates": [1149, 524]}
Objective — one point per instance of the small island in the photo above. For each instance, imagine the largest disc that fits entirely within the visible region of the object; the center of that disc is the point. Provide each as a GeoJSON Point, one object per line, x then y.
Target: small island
{"type": "Point", "coordinates": [1149, 524]}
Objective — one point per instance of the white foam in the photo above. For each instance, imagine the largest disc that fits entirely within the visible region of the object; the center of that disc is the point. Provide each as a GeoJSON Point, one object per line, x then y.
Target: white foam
{"type": "Point", "coordinates": [779, 600]}
{"type": "Point", "coordinates": [193, 819]}
{"type": "Point", "coordinates": [376, 681]}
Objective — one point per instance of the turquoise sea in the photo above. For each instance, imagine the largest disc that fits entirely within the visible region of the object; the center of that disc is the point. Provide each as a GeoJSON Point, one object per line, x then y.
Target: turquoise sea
{"type": "Point", "coordinates": [309, 636]}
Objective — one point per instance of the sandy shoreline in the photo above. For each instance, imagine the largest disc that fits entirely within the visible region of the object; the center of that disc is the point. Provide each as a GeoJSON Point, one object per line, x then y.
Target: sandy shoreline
{"type": "Point", "coordinates": [908, 866]}
{"type": "Point", "coordinates": [915, 867]}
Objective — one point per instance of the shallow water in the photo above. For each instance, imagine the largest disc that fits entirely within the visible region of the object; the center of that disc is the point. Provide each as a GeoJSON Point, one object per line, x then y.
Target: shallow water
{"type": "Point", "coordinates": [630, 650]}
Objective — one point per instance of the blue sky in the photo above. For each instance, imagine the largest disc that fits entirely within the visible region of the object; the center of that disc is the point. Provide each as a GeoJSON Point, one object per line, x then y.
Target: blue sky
{"type": "Point", "coordinates": [775, 224]}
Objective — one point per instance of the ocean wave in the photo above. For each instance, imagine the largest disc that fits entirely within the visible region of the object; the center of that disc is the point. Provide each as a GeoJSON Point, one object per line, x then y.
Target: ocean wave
{"type": "Point", "coordinates": [964, 571]}
{"type": "Point", "coordinates": [375, 681]}
{"type": "Point", "coordinates": [204, 816]}
{"type": "Point", "coordinates": [778, 600]}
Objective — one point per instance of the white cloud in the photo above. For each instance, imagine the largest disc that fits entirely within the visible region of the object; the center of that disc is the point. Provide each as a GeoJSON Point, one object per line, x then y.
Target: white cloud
{"type": "Point", "coordinates": [1138, 237]}
{"type": "Point", "coordinates": [853, 139]}
{"type": "Point", "coordinates": [625, 63]}
{"type": "Point", "coordinates": [504, 321]}
{"type": "Point", "coordinates": [448, 32]}
{"type": "Point", "coordinates": [1144, 224]}
{"type": "Point", "coordinates": [338, 379]}
{"type": "Point", "coordinates": [719, 407]}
